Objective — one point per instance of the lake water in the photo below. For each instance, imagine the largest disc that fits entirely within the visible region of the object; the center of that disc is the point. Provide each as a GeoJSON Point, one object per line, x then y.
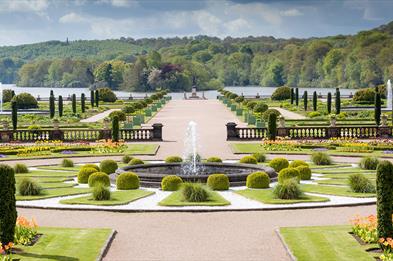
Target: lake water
{"type": "Point", "coordinates": [43, 92]}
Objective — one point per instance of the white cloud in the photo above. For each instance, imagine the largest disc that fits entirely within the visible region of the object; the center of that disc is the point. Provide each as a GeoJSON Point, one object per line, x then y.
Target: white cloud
{"type": "Point", "coordinates": [207, 22]}
{"type": "Point", "coordinates": [238, 26]}
{"type": "Point", "coordinates": [291, 12]}
{"type": "Point", "coordinates": [120, 3]}
{"type": "Point", "coordinates": [37, 6]}
{"type": "Point", "coordinates": [72, 18]}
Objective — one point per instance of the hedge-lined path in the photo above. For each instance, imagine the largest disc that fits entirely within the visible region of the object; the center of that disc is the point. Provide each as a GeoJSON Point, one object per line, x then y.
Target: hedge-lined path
{"type": "Point", "coordinates": [289, 114]}
{"type": "Point", "coordinates": [196, 236]}
{"type": "Point", "coordinates": [99, 116]}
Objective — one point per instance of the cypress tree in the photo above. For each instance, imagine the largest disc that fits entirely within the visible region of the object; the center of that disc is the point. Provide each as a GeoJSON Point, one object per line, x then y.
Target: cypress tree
{"type": "Point", "coordinates": [338, 101]}
{"type": "Point", "coordinates": [51, 93]}
{"type": "Point", "coordinates": [14, 116]}
{"type": "Point", "coordinates": [12, 94]}
{"type": "Point", "coordinates": [92, 98]}
{"type": "Point", "coordinates": [305, 100]}
{"type": "Point", "coordinates": [74, 104]}
{"type": "Point", "coordinates": [97, 98]}
{"type": "Point", "coordinates": [385, 199]}
{"type": "Point", "coordinates": [315, 101]}
{"type": "Point", "coordinates": [292, 95]}
{"type": "Point", "coordinates": [52, 106]}
{"type": "Point", "coordinates": [297, 96]}
{"type": "Point", "coordinates": [60, 106]}
{"type": "Point", "coordinates": [272, 126]}
{"type": "Point", "coordinates": [115, 128]}
{"type": "Point", "coordinates": [8, 211]}
{"type": "Point", "coordinates": [83, 98]}
{"type": "Point", "coordinates": [329, 103]}
{"type": "Point", "coordinates": [377, 108]}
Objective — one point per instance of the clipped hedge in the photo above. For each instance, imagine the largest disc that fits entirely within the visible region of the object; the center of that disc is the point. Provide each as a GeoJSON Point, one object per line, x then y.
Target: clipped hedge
{"type": "Point", "coordinates": [279, 163]}
{"type": "Point", "coordinates": [281, 93]}
{"type": "Point", "coordinates": [91, 165]}
{"type": "Point", "coordinates": [84, 174]}
{"type": "Point", "coordinates": [297, 163]}
{"type": "Point", "coordinates": [260, 157]}
{"type": "Point", "coordinates": [173, 159]}
{"type": "Point", "coordinates": [218, 182]}
{"type": "Point", "coordinates": [25, 101]}
{"type": "Point", "coordinates": [385, 199]}
{"type": "Point", "coordinates": [214, 159]}
{"type": "Point", "coordinates": [258, 180]}
{"type": "Point", "coordinates": [126, 158]}
{"type": "Point", "coordinates": [99, 178]}
{"type": "Point", "coordinates": [248, 160]}
{"type": "Point", "coordinates": [305, 172]}
{"type": "Point", "coordinates": [127, 180]}
{"type": "Point", "coordinates": [108, 166]}
{"type": "Point", "coordinates": [288, 173]}
{"type": "Point", "coordinates": [171, 183]}
{"type": "Point", "coordinates": [136, 161]}
{"type": "Point", "coordinates": [8, 212]}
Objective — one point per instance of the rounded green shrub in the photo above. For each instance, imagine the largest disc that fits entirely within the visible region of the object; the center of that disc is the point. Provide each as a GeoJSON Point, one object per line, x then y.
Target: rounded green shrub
{"type": "Point", "coordinates": [260, 157]}
{"type": "Point", "coordinates": [108, 166]}
{"type": "Point", "coordinates": [21, 168]}
{"type": "Point", "coordinates": [370, 163]}
{"type": "Point", "coordinates": [194, 192]}
{"type": "Point", "coordinates": [107, 95]}
{"type": "Point", "coordinates": [99, 178]}
{"type": "Point", "coordinates": [173, 159]}
{"type": "Point", "coordinates": [305, 172]}
{"type": "Point", "coordinates": [248, 160]}
{"type": "Point", "coordinates": [281, 93]}
{"type": "Point", "coordinates": [121, 115]}
{"type": "Point", "coordinates": [239, 99]}
{"type": "Point", "coordinates": [288, 173]}
{"type": "Point", "coordinates": [321, 158]}
{"type": "Point", "coordinates": [171, 183]}
{"type": "Point", "coordinates": [136, 161]}
{"type": "Point", "coordinates": [127, 180]}
{"type": "Point", "coordinates": [84, 174]}
{"type": "Point", "coordinates": [90, 165]}
{"type": "Point", "coordinates": [279, 163]}
{"type": "Point", "coordinates": [218, 182]}
{"type": "Point", "coordinates": [251, 105]}
{"type": "Point", "coordinates": [29, 187]}
{"type": "Point", "coordinates": [260, 107]}
{"type": "Point", "coordinates": [67, 163]}
{"type": "Point", "coordinates": [360, 184]}
{"type": "Point", "coordinates": [258, 180]}
{"type": "Point", "coordinates": [25, 101]}
{"type": "Point", "coordinates": [297, 163]}
{"type": "Point", "coordinates": [100, 193]}
{"type": "Point", "coordinates": [126, 158]}
{"type": "Point", "coordinates": [214, 159]}
{"type": "Point", "coordinates": [266, 114]}
{"type": "Point", "coordinates": [129, 108]}
{"type": "Point", "coordinates": [288, 189]}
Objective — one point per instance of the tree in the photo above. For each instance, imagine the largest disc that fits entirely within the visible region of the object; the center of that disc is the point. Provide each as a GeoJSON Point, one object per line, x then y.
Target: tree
{"type": "Point", "coordinates": [338, 101]}
{"type": "Point", "coordinates": [60, 106]}
{"type": "Point", "coordinates": [305, 100]}
{"type": "Point", "coordinates": [14, 107]}
{"type": "Point", "coordinates": [83, 99]}
{"type": "Point", "coordinates": [115, 128]}
{"type": "Point", "coordinates": [297, 96]}
{"type": "Point", "coordinates": [74, 103]}
{"type": "Point", "coordinates": [108, 75]}
{"type": "Point", "coordinates": [329, 103]}
{"type": "Point", "coordinates": [377, 108]}
{"type": "Point", "coordinates": [52, 105]}
{"type": "Point", "coordinates": [292, 96]}
{"type": "Point", "coordinates": [92, 98]}
{"type": "Point", "coordinates": [8, 213]}
{"type": "Point", "coordinates": [385, 199]}
{"type": "Point", "coordinates": [272, 126]}
{"type": "Point", "coordinates": [315, 101]}
{"type": "Point", "coordinates": [97, 98]}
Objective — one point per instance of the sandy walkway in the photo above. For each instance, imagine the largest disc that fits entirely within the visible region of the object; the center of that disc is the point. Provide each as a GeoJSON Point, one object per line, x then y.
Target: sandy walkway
{"type": "Point", "coordinates": [289, 114]}
{"type": "Point", "coordinates": [99, 116]}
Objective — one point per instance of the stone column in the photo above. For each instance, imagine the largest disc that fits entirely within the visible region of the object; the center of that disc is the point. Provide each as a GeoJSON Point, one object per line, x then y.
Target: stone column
{"type": "Point", "coordinates": [231, 131]}
{"type": "Point", "coordinates": [282, 131]}
{"type": "Point", "coordinates": [106, 132]}
{"type": "Point", "coordinates": [6, 134]}
{"type": "Point", "coordinates": [56, 133]}
{"type": "Point", "coordinates": [157, 131]}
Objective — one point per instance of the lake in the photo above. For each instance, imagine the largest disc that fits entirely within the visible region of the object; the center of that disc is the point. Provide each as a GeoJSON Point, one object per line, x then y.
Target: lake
{"type": "Point", "coordinates": [43, 92]}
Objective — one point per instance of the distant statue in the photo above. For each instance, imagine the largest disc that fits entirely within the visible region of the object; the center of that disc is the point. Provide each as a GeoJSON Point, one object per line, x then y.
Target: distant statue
{"type": "Point", "coordinates": [38, 98]}
{"type": "Point", "coordinates": [185, 96]}
{"type": "Point", "coordinates": [350, 95]}
{"type": "Point", "coordinates": [257, 96]}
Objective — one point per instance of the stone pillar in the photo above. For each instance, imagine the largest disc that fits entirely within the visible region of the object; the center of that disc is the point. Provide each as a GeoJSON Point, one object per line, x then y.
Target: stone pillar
{"type": "Point", "coordinates": [384, 132]}
{"type": "Point", "coordinates": [282, 131]}
{"type": "Point", "coordinates": [333, 132]}
{"type": "Point", "coordinates": [106, 123]}
{"type": "Point", "coordinates": [157, 131]}
{"type": "Point", "coordinates": [384, 120]}
{"type": "Point", "coordinates": [231, 131]}
{"type": "Point", "coordinates": [56, 133]}
{"type": "Point", "coordinates": [5, 125]}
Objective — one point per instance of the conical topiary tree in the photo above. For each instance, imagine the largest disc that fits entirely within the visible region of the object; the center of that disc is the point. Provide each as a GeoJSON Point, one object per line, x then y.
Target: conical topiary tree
{"type": "Point", "coordinates": [305, 100]}
{"type": "Point", "coordinates": [14, 116]}
{"type": "Point", "coordinates": [92, 98]}
{"type": "Point", "coordinates": [329, 103]}
{"type": "Point", "coordinates": [377, 108]}
{"type": "Point", "coordinates": [115, 128]}
{"type": "Point", "coordinates": [385, 199]}
{"type": "Point", "coordinates": [83, 99]}
{"type": "Point", "coordinates": [8, 212]}
{"type": "Point", "coordinates": [297, 96]}
{"type": "Point", "coordinates": [60, 106]}
{"type": "Point", "coordinates": [315, 101]}
{"type": "Point", "coordinates": [97, 98]}
{"type": "Point", "coordinates": [292, 96]}
{"type": "Point", "coordinates": [338, 101]}
{"type": "Point", "coordinates": [52, 106]}
{"type": "Point", "coordinates": [272, 126]}
{"type": "Point", "coordinates": [74, 104]}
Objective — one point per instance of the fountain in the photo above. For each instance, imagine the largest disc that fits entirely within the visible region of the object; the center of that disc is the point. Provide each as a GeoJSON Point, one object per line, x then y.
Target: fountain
{"type": "Point", "coordinates": [389, 97]}
{"type": "Point", "coordinates": [190, 156]}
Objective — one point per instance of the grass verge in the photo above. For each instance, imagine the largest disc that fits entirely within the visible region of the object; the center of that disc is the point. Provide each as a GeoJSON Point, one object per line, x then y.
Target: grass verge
{"type": "Point", "coordinates": [175, 199]}
{"type": "Point", "coordinates": [266, 196]}
{"type": "Point", "coordinates": [52, 193]}
{"type": "Point", "coordinates": [343, 191]}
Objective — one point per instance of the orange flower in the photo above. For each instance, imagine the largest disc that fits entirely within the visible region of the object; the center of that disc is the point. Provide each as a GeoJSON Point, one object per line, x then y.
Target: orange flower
{"type": "Point", "coordinates": [381, 240]}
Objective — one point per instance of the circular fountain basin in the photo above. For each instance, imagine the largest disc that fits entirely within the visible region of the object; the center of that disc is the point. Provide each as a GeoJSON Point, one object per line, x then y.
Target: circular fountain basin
{"type": "Point", "coordinates": [150, 175]}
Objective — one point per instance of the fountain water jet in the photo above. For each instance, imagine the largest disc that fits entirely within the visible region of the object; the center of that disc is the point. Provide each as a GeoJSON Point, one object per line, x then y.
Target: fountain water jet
{"type": "Point", "coordinates": [191, 158]}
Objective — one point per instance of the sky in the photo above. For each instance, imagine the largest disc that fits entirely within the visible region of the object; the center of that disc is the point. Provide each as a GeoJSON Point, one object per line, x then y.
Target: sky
{"type": "Point", "coordinates": [30, 21]}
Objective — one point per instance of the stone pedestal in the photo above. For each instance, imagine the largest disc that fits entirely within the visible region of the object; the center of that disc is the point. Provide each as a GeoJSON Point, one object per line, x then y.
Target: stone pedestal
{"type": "Point", "coordinates": [384, 132]}
{"type": "Point", "coordinates": [231, 131]}
{"type": "Point", "coordinates": [333, 132]}
{"type": "Point", "coordinates": [157, 131]}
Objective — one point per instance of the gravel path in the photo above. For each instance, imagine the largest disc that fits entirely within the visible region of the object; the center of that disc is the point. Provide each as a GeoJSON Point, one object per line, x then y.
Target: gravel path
{"type": "Point", "coordinates": [99, 116]}
{"type": "Point", "coordinates": [289, 114]}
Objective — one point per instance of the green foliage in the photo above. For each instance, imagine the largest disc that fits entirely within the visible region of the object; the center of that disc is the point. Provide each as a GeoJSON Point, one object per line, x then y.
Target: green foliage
{"type": "Point", "coordinates": [83, 101]}
{"type": "Point", "coordinates": [282, 93]}
{"type": "Point", "coordinates": [51, 106]}
{"type": "Point", "coordinates": [97, 98]}
{"type": "Point", "coordinates": [258, 180]}
{"type": "Point", "coordinates": [338, 101]}
{"type": "Point", "coordinates": [8, 94]}
{"type": "Point", "coordinates": [106, 95]}
{"type": "Point", "coordinates": [385, 199]}
{"type": "Point", "coordinates": [173, 159]}
{"type": "Point", "coordinates": [29, 187]}
{"type": "Point", "coordinates": [8, 212]}
{"type": "Point", "coordinates": [92, 102]}
{"type": "Point", "coordinates": [329, 103]}
{"type": "Point", "coordinates": [248, 160]}
{"type": "Point", "coordinates": [292, 95]}
{"type": "Point", "coordinates": [297, 163]}
{"type": "Point", "coordinates": [366, 95]}
{"type": "Point", "coordinates": [304, 171]}
{"type": "Point", "coordinates": [272, 126]}
{"type": "Point", "coordinates": [251, 105]}
{"type": "Point", "coordinates": [321, 158]}
{"type": "Point", "coordinates": [239, 99]}
{"type": "Point", "coordinates": [260, 157]}
{"type": "Point", "coordinates": [279, 163]}
{"type": "Point", "coordinates": [91, 165]}
{"type": "Point", "coordinates": [14, 116]}
{"type": "Point", "coordinates": [266, 114]}
{"type": "Point", "coordinates": [218, 182]}
{"type": "Point", "coordinates": [288, 173]}
{"type": "Point", "coordinates": [128, 109]}
{"type": "Point", "coordinates": [214, 159]}
{"type": "Point", "coordinates": [108, 166]}
{"type": "Point", "coordinates": [115, 128]}
{"type": "Point", "coordinates": [194, 192]}
{"type": "Point", "coordinates": [126, 158]}
{"type": "Point", "coordinates": [360, 184]}
{"type": "Point", "coordinates": [21, 168]}
{"type": "Point", "coordinates": [99, 178]}
{"type": "Point", "coordinates": [315, 101]}
{"type": "Point", "coordinates": [377, 109]}
{"type": "Point", "coordinates": [288, 189]}
{"type": "Point", "coordinates": [297, 96]}
{"type": "Point", "coordinates": [120, 114]}
{"type": "Point", "coordinates": [73, 103]}
{"type": "Point", "coordinates": [101, 192]}
{"type": "Point", "coordinates": [127, 180]}
{"type": "Point", "coordinates": [67, 163]}
{"type": "Point", "coordinates": [84, 174]}
{"type": "Point", "coordinates": [370, 163]}
{"type": "Point", "coordinates": [261, 107]}
{"type": "Point", "coordinates": [60, 106]}
{"type": "Point", "coordinates": [171, 183]}
{"type": "Point", "coordinates": [25, 101]}
{"type": "Point", "coordinates": [305, 100]}
{"type": "Point", "coordinates": [136, 161]}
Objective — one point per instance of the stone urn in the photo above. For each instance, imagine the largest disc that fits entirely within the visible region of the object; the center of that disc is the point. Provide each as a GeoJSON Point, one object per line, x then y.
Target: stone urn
{"type": "Point", "coordinates": [56, 123]}
{"type": "Point", "coordinates": [384, 120]}
{"type": "Point", "coordinates": [106, 123]}
{"type": "Point", "coordinates": [281, 122]}
{"type": "Point", "coordinates": [333, 120]}
{"type": "Point", "coordinates": [5, 125]}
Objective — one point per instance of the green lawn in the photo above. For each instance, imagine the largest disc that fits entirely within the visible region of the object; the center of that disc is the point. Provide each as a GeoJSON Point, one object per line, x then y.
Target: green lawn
{"type": "Point", "coordinates": [334, 190]}
{"type": "Point", "coordinates": [75, 168]}
{"type": "Point", "coordinates": [65, 244]}
{"type": "Point", "coordinates": [175, 199]}
{"type": "Point", "coordinates": [266, 196]}
{"type": "Point", "coordinates": [333, 243]}
{"type": "Point", "coordinates": [46, 179]}
{"type": "Point", "coordinates": [52, 193]}
{"type": "Point", "coordinates": [117, 198]}
{"type": "Point", "coordinates": [337, 181]}
{"type": "Point", "coordinates": [344, 170]}
{"type": "Point", "coordinates": [46, 173]}
{"type": "Point", "coordinates": [345, 176]}
{"type": "Point", "coordinates": [53, 185]}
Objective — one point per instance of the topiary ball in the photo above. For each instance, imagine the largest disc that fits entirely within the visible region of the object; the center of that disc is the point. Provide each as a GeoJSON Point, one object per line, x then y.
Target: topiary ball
{"type": "Point", "coordinates": [29, 187]}
{"type": "Point", "coordinates": [279, 163]}
{"type": "Point", "coordinates": [171, 183]}
{"type": "Point", "coordinates": [218, 182]}
{"type": "Point", "coordinates": [297, 163]}
{"type": "Point", "coordinates": [108, 166]}
{"type": "Point", "coordinates": [305, 172]}
{"type": "Point", "coordinates": [127, 180]}
{"type": "Point", "coordinates": [288, 173]}
{"type": "Point", "coordinates": [90, 165]}
{"type": "Point", "coordinates": [84, 174]}
{"type": "Point", "coordinates": [100, 192]}
{"type": "Point", "coordinates": [99, 178]}
{"type": "Point", "coordinates": [136, 161]}
{"type": "Point", "coordinates": [67, 163]}
{"type": "Point", "coordinates": [258, 180]}
{"type": "Point", "coordinates": [260, 157]}
{"type": "Point", "coordinates": [248, 160]}
{"type": "Point", "coordinates": [173, 159]}
{"type": "Point", "coordinates": [214, 159]}
{"type": "Point", "coordinates": [20, 168]}
{"type": "Point", "coordinates": [126, 159]}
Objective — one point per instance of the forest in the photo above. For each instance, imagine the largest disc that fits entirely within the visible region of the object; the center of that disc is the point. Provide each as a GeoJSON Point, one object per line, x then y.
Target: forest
{"type": "Point", "coordinates": [346, 61]}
